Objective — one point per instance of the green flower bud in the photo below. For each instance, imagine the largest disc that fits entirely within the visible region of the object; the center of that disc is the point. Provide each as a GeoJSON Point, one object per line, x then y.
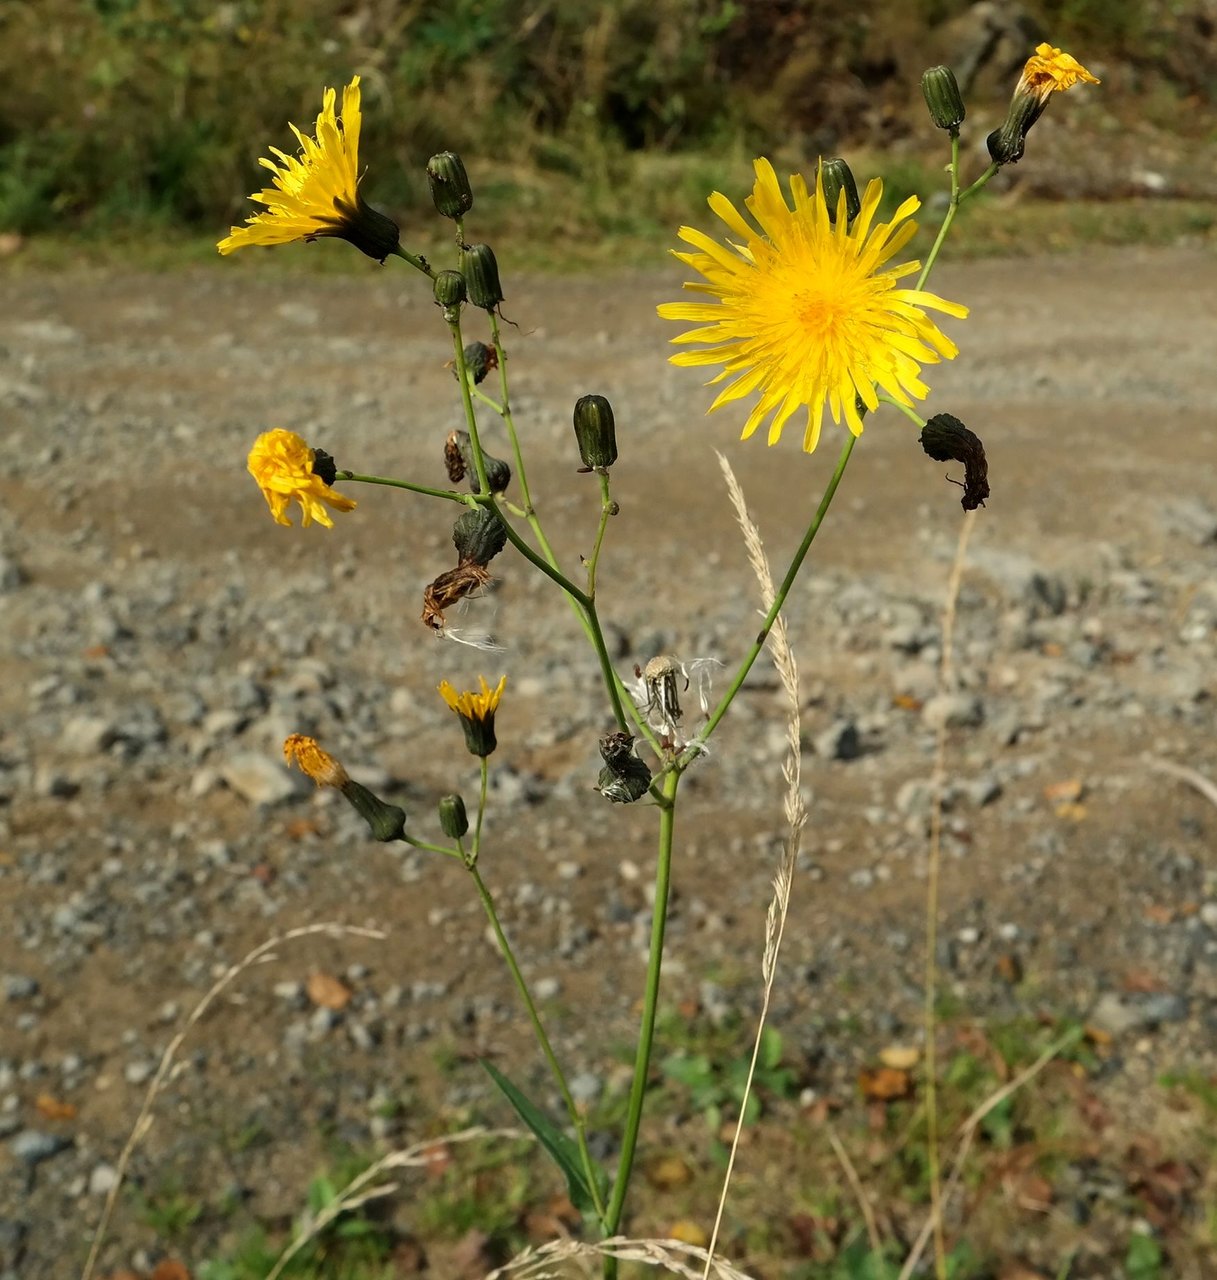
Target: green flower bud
{"type": "Point", "coordinates": [481, 272]}
{"type": "Point", "coordinates": [453, 819]}
{"type": "Point", "coordinates": [479, 535]}
{"type": "Point", "coordinates": [596, 431]}
{"type": "Point", "coordinates": [943, 98]}
{"type": "Point", "coordinates": [449, 288]}
{"type": "Point", "coordinates": [386, 821]}
{"type": "Point", "coordinates": [450, 189]}
{"type": "Point", "coordinates": [837, 177]}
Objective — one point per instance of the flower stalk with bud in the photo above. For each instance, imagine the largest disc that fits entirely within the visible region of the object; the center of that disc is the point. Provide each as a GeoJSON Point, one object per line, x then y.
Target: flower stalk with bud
{"type": "Point", "coordinates": [806, 305]}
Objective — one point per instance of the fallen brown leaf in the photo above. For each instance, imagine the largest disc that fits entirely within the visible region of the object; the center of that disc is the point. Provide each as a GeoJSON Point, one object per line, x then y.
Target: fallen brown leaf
{"type": "Point", "coordinates": [53, 1109]}
{"type": "Point", "coordinates": [327, 991]}
{"type": "Point", "coordinates": [1068, 791]}
{"type": "Point", "coordinates": [169, 1269]}
{"type": "Point", "coordinates": [884, 1084]}
{"type": "Point", "coordinates": [900, 1057]}
{"type": "Point", "coordinates": [689, 1232]}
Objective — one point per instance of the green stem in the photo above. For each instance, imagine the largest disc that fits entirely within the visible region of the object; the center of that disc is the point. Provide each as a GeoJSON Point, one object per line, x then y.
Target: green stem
{"type": "Point", "coordinates": [692, 750]}
{"type": "Point", "coordinates": [450, 494]}
{"type": "Point", "coordinates": [477, 827]}
{"type": "Point", "coordinates": [576, 1118]}
{"type": "Point", "coordinates": [910, 413]}
{"type": "Point", "coordinates": [607, 508]}
{"type": "Point", "coordinates": [431, 848]}
{"type": "Point", "coordinates": [948, 217]}
{"type": "Point", "coordinates": [646, 1032]}
{"type": "Point", "coordinates": [416, 260]}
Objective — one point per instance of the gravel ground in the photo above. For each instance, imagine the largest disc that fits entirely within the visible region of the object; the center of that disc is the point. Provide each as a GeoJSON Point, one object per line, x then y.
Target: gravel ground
{"type": "Point", "coordinates": [161, 636]}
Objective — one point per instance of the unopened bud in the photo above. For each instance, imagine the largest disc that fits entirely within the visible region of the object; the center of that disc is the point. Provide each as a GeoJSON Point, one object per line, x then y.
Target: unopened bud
{"type": "Point", "coordinates": [837, 176]}
{"type": "Point", "coordinates": [453, 819]}
{"type": "Point", "coordinates": [479, 535]}
{"type": "Point", "coordinates": [596, 431]}
{"type": "Point", "coordinates": [943, 98]}
{"type": "Point", "coordinates": [450, 189]}
{"type": "Point", "coordinates": [481, 272]}
{"type": "Point", "coordinates": [449, 288]}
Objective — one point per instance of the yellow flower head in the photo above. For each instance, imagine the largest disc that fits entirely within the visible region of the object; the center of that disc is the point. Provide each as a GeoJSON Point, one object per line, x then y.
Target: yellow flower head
{"type": "Point", "coordinates": [476, 711]}
{"type": "Point", "coordinates": [312, 761]}
{"type": "Point", "coordinates": [1049, 70]}
{"type": "Point", "coordinates": [805, 311]}
{"type": "Point", "coordinates": [317, 193]}
{"type": "Point", "coordinates": [282, 464]}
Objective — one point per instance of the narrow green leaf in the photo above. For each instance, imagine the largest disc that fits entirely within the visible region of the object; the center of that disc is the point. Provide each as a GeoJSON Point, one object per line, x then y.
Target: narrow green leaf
{"type": "Point", "coordinates": [564, 1150]}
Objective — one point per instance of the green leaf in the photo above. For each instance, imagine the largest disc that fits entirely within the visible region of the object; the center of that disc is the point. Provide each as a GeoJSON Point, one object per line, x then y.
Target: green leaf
{"type": "Point", "coordinates": [564, 1150]}
{"type": "Point", "coordinates": [1144, 1258]}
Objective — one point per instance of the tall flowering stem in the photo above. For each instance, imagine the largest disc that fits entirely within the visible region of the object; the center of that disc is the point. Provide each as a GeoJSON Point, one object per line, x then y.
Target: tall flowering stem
{"type": "Point", "coordinates": [650, 1006]}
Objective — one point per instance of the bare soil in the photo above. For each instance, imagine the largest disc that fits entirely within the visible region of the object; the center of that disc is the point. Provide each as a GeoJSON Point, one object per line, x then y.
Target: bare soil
{"type": "Point", "coordinates": [153, 594]}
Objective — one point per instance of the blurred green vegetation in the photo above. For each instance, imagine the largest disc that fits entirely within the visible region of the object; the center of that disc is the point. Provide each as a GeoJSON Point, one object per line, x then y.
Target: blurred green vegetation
{"type": "Point", "coordinates": [581, 118]}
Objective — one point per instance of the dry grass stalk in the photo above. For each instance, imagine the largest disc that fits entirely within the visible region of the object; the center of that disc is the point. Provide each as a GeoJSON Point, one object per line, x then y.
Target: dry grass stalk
{"type": "Point", "coordinates": [946, 679]}
{"type": "Point", "coordinates": [143, 1121]}
{"type": "Point", "coordinates": [1193, 779]}
{"type": "Point", "coordinates": [795, 812]}
{"type": "Point", "coordinates": [672, 1255]}
{"type": "Point", "coordinates": [365, 1187]}
{"type": "Point", "coordinates": [855, 1183]}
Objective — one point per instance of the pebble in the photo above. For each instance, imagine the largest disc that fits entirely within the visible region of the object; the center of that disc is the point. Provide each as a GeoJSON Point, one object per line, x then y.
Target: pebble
{"type": "Point", "coordinates": [32, 1146]}
{"type": "Point", "coordinates": [954, 711]}
{"type": "Point", "coordinates": [261, 780]}
{"type": "Point", "coordinates": [841, 741]}
{"type": "Point", "coordinates": [102, 1179]}
{"type": "Point", "coordinates": [17, 986]}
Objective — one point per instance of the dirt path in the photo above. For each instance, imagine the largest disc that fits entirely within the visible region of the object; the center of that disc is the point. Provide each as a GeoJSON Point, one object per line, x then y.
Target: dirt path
{"type": "Point", "coordinates": [160, 636]}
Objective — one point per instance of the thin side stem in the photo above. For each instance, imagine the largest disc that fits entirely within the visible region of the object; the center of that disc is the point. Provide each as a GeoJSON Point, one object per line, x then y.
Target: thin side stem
{"type": "Point", "coordinates": [426, 490]}
{"type": "Point", "coordinates": [416, 260]}
{"type": "Point", "coordinates": [572, 1110]}
{"type": "Point", "coordinates": [646, 1032]}
{"type": "Point", "coordinates": [607, 509]}
{"type": "Point", "coordinates": [431, 848]}
{"type": "Point", "coordinates": [779, 600]}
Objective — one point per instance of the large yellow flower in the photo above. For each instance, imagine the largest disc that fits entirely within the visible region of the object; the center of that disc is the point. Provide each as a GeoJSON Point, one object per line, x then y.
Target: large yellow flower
{"type": "Point", "coordinates": [282, 464]}
{"type": "Point", "coordinates": [804, 311]}
{"type": "Point", "coordinates": [317, 193]}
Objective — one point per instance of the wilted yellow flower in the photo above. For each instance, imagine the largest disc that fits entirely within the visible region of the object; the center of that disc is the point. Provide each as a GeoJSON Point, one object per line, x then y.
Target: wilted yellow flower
{"type": "Point", "coordinates": [312, 761]}
{"type": "Point", "coordinates": [476, 711]}
{"type": "Point", "coordinates": [804, 310]}
{"type": "Point", "coordinates": [317, 193]}
{"type": "Point", "coordinates": [1049, 70]}
{"type": "Point", "coordinates": [282, 464]}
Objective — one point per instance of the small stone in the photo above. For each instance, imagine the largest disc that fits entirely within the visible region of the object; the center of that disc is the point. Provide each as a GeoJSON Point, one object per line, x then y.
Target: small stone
{"type": "Point", "coordinates": [983, 790]}
{"type": "Point", "coordinates": [17, 986]}
{"type": "Point", "coordinates": [12, 575]}
{"type": "Point", "coordinates": [954, 711]}
{"type": "Point", "coordinates": [103, 1179]}
{"type": "Point", "coordinates": [547, 988]}
{"type": "Point", "coordinates": [1208, 915]}
{"type": "Point", "coordinates": [586, 1087]}
{"type": "Point", "coordinates": [138, 1073]}
{"type": "Point", "coordinates": [841, 741]}
{"type": "Point", "coordinates": [259, 779]}
{"type": "Point", "coordinates": [33, 1146]}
